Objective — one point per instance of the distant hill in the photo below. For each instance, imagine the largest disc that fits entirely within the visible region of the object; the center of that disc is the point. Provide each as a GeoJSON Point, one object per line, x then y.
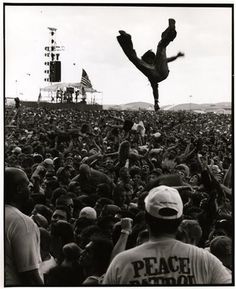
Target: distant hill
{"type": "Point", "coordinates": [131, 106]}
{"type": "Point", "coordinates": [204, 107]}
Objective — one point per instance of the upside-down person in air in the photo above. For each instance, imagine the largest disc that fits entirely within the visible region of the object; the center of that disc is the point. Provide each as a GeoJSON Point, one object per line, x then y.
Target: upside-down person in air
{"type": "Point", "coordinates": [153, 66]}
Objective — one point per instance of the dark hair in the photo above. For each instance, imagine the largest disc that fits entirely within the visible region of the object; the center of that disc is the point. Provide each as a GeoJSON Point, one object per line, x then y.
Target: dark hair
{"type": "Point", "coordinates": [64, 230]}
{"type": "Point", "coordinates": [44, 211]}
{"type": "Point", "coordinates": [105, 201]}
{"type": "Point", "coordinates": [56, 194]}
{"type": "Point", "coordinates": [159, 226]}
{"type": "Point", "coordinates": [61, 200]}
{"type": "Point", "coordinates": [65, 209]}
{"type": "Point", "coordinates": [82, 223]}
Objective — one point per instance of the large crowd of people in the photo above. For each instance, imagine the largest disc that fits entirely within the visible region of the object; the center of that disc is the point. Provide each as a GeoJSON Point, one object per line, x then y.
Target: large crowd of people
{"type": "Point", "coordinates": [82, 198]}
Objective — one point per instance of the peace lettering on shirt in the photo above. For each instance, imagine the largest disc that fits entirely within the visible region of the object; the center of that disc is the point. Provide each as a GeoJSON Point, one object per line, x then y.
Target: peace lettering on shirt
{"type": "Point", "coordinates": [150, 269]}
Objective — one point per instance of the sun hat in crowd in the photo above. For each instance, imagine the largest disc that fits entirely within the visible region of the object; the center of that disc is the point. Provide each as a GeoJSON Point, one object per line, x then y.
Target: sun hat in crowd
{"type": "Point", "coordinates": [89, 213]}
{"type": "Point", "coordinates": [164, 203]}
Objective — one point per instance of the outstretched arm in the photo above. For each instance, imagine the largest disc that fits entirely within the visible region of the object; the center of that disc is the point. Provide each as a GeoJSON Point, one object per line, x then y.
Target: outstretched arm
{"type": "Point", "coordinates": [180, 54]}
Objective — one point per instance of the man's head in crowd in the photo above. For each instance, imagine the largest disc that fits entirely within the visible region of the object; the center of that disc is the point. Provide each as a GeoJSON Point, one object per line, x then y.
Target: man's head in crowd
{"type": "Point", "coordinates": [61, 213]}
{"type": "Point", "coordinates": [222, 227]}
{"type": "Point", "coordinates": [85, 170]}
{"type": "Point", "coordinates": [164, 210]}
{"type": "Point", "coordinates": [189, 231]}
{"type": "Point", "coordinates": [109, 163]}
{"type": "Point", "coordinates": [67, 202]}
{"type": "Point", "coordinates": [43, 210]}
{"type": "Point", "coordinates": [183, 172]}
{"type": "Point", "coordinates": [16, 185]}
{"type": "Point", "coordinates": [221, 247]}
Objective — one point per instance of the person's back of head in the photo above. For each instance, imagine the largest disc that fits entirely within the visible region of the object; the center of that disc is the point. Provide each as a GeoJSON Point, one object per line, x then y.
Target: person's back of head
{"type": "Point", "coordinates": [15, 186]}
{"type": "Point", "coordinates": [164, 210]}
{"type": "Point", "coordinates": [40, 220]}
{"type": "Point", "coordinates": [221, 247]}
{"type": "Point", "coordinates": [67, 202]}
{"type": "Point", "coordinates": [56, 194]}
{"type": "Point", "coordinates": [189, 231]}
{"type": "Point", "coordinates": [110, 210]}
{"type": "Point", "coordinates": [71, 252]}
{"type": "Point", "coordinates": [64, 230]}
{"type": "Point", "coordinates": [44, 211]}
{"type": "Point", "coordinates": [85, 170]}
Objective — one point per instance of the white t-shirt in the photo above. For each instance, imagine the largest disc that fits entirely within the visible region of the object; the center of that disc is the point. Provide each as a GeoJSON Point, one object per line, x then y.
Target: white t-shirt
{"type": "Point", "coordinates": [22, 245]}
{"type": "Point", "coordinates": [166, 261]}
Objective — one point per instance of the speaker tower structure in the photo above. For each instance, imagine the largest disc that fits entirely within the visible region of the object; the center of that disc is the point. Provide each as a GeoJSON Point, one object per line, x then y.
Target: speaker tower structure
{"type": "Point", "coordinates": [52, 62]}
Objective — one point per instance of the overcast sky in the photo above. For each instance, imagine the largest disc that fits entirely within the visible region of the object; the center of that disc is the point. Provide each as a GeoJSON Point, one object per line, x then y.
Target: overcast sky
{"type": "Point", "coordinates": [89, 37]}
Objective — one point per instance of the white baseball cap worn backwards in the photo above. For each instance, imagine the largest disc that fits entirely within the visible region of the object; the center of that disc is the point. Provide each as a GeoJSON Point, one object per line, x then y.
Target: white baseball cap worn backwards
{"type": "Point", "coordinates": [164, 203]}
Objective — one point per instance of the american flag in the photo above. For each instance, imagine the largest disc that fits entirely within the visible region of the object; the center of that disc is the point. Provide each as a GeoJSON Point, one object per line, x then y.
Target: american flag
{"type": "Point", "coordinates": [85, 79]}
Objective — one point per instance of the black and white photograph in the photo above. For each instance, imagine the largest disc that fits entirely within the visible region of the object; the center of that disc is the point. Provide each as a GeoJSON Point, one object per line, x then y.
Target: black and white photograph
{"type": "Point", "coordinates": [118, 151]}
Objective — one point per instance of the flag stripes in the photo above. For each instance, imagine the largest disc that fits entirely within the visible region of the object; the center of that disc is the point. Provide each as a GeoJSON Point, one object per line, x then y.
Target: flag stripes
{"type": "Point", "coordinates": [85, 79]}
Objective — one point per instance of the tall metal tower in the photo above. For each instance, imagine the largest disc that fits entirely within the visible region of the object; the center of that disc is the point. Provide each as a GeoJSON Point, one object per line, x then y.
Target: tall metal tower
{"type": "Point", "coordinates": [52, 61]}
